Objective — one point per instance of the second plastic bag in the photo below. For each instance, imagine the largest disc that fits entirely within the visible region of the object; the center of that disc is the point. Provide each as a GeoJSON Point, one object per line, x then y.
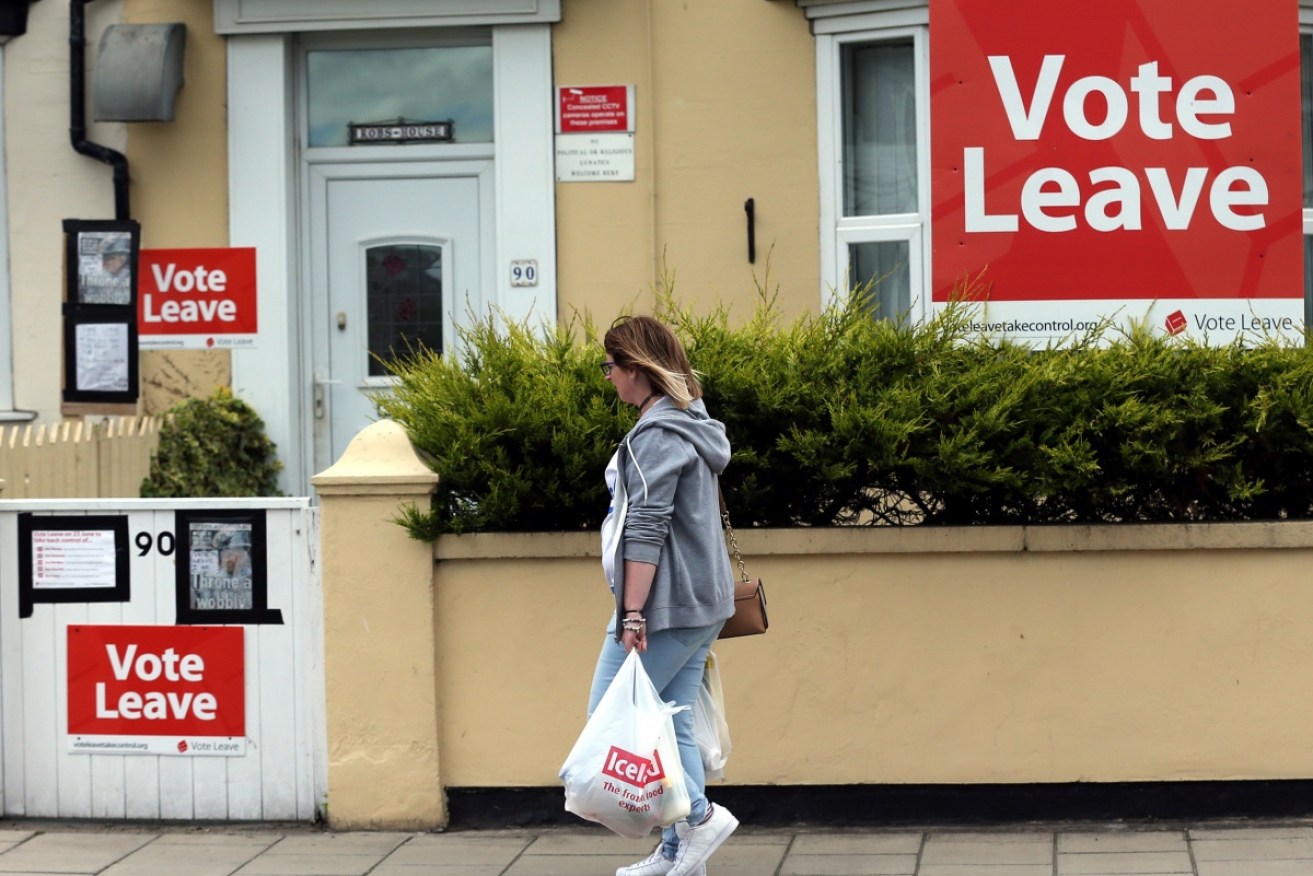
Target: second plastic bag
{"type": "Point", "coordinates": [624, 771]}
{"type": "Point", "coordinates": [710, 728]}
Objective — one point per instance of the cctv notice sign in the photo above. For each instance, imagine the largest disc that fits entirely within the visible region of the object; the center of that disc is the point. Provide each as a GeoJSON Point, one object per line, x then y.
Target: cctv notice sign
{"type": "Point", "coordinates": [156, 690]}
{"type": "Point", "coordinates": [1125, 160]}
{"type": "Point", "coordinates": [196, 299]}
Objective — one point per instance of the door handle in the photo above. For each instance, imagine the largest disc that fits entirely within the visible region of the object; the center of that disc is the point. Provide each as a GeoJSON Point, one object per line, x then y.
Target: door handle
{"type": "Point", "coordinates": [319, 394]}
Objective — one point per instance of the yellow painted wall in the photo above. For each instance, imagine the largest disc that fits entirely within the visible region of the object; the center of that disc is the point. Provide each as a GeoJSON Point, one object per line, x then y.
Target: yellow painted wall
{"type": "Point", "coordinates": [726, 111]}
{"type": "Point", "coordinates": [950, 656]}
{"type": "Point", "coordinates": [47, 183]}
{"type": "Point", "coordinates": [180, 187]}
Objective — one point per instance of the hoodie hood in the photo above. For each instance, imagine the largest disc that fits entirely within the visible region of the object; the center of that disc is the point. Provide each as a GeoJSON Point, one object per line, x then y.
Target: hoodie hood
{"type": "Point", "coordinates": [695, 425]}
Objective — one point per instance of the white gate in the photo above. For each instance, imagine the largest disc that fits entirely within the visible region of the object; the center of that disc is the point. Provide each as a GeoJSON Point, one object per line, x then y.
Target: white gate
{"type": "Point", "coordinates": [131, 575]}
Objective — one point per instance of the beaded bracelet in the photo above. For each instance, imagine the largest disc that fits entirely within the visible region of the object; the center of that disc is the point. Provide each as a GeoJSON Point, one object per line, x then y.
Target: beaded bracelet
{"type": "Point", "coordinates": [633, 624]}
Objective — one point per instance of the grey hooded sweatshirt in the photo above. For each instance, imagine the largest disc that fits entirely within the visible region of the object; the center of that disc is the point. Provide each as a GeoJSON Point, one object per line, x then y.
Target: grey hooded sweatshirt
{"type": "Point", "coordinates": [669, 464]}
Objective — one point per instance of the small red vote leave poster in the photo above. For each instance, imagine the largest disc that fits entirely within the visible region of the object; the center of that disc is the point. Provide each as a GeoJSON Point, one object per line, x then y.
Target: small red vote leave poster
{"type": "Point", "coordinates": [197, 298]}
{"type": "Point", "coordinates": [156, 690]}
{"type": "Point", "coordinates": [1130, 159]}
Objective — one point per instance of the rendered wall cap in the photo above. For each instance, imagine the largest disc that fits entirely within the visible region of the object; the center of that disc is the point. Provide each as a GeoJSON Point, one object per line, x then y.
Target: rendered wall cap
{"type": "Point", "coordinates": [379, 460]}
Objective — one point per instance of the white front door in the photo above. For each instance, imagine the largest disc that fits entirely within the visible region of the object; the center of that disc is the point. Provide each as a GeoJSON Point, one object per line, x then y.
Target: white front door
{"type": "Point", "coordinates": [399, 252]}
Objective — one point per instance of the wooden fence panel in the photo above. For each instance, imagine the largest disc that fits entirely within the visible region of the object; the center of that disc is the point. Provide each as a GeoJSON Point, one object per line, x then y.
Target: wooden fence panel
{"type": "Point", "coordinates": [281, 774]}
{"type": "Point", "coordinates": [77, 459]}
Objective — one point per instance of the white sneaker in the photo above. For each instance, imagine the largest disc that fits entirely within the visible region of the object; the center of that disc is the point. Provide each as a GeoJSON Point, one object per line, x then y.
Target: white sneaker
{"type": "Point", "coordinates": [701, 841]}
{"type": "Point", "coordinates": [653, 865]}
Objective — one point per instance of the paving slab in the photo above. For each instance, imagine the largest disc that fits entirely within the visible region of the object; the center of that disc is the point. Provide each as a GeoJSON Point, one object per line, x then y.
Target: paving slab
{"type": "Point", "coordinates": [71, 852]}
{"type": "Point", "coordinates": [985, 870]}
{"type": "Point", "coordinates": [1255, 832]}
{"type": "Point", "coordinates": [1256, 868]}
{"type": "Point", "coordinates": [1117, 841]}
{"type": "Point", "coordinates": [186, 858]}
{"type": "Point", "coordinates": [1044, 837]}
{"type": "Point", "coordinates": [840, 865]}
{"type": "Point", "coordinates": [746, 856]}
{"type": "Point", "coordinates": [1125, 862]}
{"type": "Point", "coordinates": [856, 843]}
{"type": "Point", "coordinates": [567, 865]}
{"type": "Point", "coordinates": [458, 851]}
{"type": "Point", "coordinates": [1004, 850]}
{"type": "Point", "coordinates": [339, 864]}
{"type": "Point", "coordinates": [591, 843]}
{"type": "Point", "coordinates": [1273, 849]}
{"type": "Point", "coordinates": [356, 843]}
{"type": "Point", "coordinates": [218, 838]}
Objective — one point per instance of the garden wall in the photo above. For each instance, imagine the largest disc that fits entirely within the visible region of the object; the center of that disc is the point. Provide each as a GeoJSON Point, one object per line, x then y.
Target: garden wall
{"type": "Point", "coordinates": [895, 655]}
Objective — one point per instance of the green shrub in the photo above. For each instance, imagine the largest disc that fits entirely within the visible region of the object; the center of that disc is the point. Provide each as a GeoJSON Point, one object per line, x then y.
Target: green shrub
{"type": "Point", "coordinates": [213, 447]}
{"type": "Point", "coordinates": [837, 418]}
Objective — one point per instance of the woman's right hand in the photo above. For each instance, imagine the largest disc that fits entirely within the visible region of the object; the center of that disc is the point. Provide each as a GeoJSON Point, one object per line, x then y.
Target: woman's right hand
{"type": "Point", "coordinates": [632, 639]}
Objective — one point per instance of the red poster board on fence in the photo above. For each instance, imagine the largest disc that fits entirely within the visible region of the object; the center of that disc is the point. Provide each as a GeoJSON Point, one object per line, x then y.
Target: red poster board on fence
{"type": "Point", "coordinates": [156, 690]}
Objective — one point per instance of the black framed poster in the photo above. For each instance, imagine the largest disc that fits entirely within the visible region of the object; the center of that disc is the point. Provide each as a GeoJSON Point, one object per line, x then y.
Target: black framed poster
{"type": "Point", "coordinates": [72, 559]}
{"type": "Point", "coordinates": [222, 568]}
{"type": "Point", "coordinates": [101, 261]}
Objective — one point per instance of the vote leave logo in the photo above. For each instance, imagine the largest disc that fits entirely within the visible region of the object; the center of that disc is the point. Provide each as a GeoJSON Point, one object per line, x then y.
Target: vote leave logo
{"type": "Point", "coordinates": [1175, 322]}
{"type": "Point", "coordinates": [156, 681]}
{"type": "Point", "coordinates": [1126, 150]}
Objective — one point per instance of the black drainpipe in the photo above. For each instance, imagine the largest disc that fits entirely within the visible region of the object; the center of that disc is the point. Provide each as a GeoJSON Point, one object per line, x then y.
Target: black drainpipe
{"type": "Point", "coordinates": [78, 96]}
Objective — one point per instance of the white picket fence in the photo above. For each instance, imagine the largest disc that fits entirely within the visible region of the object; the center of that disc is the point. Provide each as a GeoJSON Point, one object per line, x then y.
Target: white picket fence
{"type": "Point", "coordinates": [281, 776]}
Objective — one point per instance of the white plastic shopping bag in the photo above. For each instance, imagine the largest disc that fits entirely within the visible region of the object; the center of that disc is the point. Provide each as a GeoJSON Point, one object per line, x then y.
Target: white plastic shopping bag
{"type": "Point", "coordinates": [710, 728]}
{"type": "Point", "coordinates": [624, 771]}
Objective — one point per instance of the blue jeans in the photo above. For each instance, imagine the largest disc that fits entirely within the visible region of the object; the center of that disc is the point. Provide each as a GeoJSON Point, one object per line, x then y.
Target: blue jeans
{"type": "Point", "coordinates": [674, 660]}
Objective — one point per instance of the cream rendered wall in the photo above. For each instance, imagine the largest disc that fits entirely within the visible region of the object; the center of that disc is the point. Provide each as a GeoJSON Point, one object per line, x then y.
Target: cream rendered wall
{"type": "Point", "coordinates": [726, 110]}
{"type": "Point", "coordinates": [179, 187]}
{"type": "Point", "coordinates": [48, 182]}
{"type": "Point", "coordinates": [954, 655]}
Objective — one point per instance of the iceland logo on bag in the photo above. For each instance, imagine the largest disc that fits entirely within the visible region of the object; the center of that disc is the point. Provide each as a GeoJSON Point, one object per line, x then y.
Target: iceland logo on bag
{"type": "Point", "coordinates": [633, 769]}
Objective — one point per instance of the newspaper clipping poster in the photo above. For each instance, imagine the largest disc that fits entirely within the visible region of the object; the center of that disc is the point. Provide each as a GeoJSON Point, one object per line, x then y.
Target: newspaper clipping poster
{"type": "Point", "coordinates": [221, 578]}
{"type": "Point", "coordinates": [104, 267]}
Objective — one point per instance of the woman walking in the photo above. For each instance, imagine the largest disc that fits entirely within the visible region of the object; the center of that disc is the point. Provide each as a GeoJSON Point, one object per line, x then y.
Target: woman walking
{"type": "Point", "coordinates": [664, 556]}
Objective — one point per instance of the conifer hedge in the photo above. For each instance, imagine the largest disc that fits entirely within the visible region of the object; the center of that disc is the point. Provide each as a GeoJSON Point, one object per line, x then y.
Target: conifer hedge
{"type": "Point", "coordinates": [840, 419]}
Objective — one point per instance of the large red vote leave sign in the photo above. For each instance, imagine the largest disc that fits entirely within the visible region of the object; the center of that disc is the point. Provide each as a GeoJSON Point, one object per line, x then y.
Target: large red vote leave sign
{"type": "Point", "coordinates": [1090, 156]}
{"type": "Point", "coordinates": [135, 682]}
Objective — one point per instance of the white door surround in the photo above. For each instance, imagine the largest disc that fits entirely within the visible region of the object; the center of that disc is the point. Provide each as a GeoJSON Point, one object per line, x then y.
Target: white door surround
{"type": "Point", "coordinates": [277, 376]}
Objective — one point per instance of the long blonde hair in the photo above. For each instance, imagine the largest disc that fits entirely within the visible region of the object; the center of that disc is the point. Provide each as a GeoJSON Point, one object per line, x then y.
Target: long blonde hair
{"type": "Point", "coordinates": [649, 345]}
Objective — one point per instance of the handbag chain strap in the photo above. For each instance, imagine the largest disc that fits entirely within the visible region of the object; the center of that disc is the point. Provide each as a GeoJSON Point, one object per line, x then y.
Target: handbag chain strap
{"type": "Point", "coordinates": [729, 530]}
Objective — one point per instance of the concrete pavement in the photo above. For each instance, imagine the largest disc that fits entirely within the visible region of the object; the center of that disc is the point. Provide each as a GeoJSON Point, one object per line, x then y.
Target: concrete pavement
{"type": "Point", "coordinates": [1261, 848]}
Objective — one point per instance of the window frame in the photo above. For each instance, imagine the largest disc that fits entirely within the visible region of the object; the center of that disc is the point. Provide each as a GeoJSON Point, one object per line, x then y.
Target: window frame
{"type": "Point", "coordinates": [838, 231]}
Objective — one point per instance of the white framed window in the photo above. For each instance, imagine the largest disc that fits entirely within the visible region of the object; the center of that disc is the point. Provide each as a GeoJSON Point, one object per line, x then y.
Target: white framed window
{"type": "Point", "coordinates": [874, 150]}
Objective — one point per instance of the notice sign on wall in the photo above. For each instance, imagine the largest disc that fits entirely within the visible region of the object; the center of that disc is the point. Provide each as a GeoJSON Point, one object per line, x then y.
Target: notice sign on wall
{"type": "Point", "coordinates": [1133, 159]}
{"type": "Point", "coordinates": [156, 690]}
{"type": "Point", "coordinates": [595, 133]}
{"type": "Point", "coordinates": [591, 109]}
{"type": "Point", "coordinates": [197, 298]}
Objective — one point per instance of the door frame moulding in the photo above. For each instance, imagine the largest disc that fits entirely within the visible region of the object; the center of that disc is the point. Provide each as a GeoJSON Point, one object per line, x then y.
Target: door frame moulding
{"type": "Point", "coordinates": [287, 16]}
{"type": "Point", "coordinates": [265, 204]}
